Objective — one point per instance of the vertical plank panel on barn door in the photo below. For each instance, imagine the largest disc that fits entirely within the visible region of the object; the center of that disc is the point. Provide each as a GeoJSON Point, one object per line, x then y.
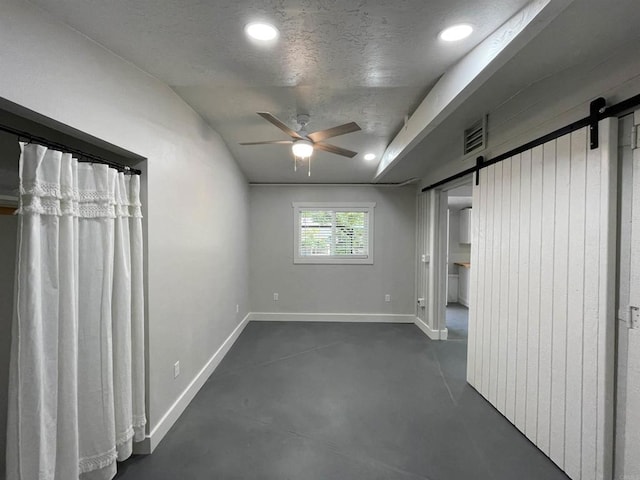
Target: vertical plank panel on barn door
{"type": "Point", "coordinates": [473, 290]}
{"type": "Point", "coordinates": [592, 285]}
{"type": "Point", "coordinates": [487, 332]}
{"type": "Point", "coordinates": [478, 308]}
{"type": "Point", "coordinates": [546, 295]}
{"type": "Point", "coordinates": [495, 281]}
{"type": "Point", "coordinates": [504, 319]}
{"type": "Point", "coordinates": [523, 291]}
{"type": "Point", "coordinates": [535, 232]}
{"type": "Point", "coordinates": [575, 304]}
{"type": "Point", "coordinates": [514, 262]}
{"type": "Point", "coordinates": [560, 287]}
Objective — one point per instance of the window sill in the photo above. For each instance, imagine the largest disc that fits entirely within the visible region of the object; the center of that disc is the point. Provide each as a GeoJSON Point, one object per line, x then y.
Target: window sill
{"type": "Point", "coordinates": [332, 261]}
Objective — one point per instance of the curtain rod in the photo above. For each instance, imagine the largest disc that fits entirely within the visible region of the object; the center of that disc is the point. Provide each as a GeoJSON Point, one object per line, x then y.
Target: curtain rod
{"type": "Point", "coordinates": [598, 111]}
{"type": "Point", "coordinates": [83, 156]}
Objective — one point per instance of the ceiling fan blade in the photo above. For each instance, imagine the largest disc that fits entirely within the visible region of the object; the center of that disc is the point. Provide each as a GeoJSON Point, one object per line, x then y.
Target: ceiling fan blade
{"type": "Point", "coordinates": [333, 149]}
{"type": "Point", "coordinates": [270, 118]}
{"type": "Point", "coordinates": [269, 142]}
{"type": "Point", "coordinates": [334, 132]}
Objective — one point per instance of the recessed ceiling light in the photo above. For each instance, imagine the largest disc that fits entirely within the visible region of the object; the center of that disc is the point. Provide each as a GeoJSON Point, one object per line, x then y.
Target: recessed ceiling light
{"type": "Point", "coordinates": [261, 31]}
{"type": "Point", "coordinates": [456, 32]}
{"type": "Point", "coordinates": [370, 156]}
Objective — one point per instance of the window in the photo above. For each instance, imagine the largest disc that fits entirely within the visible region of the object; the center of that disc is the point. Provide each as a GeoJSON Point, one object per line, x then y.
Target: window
{"type": "Point", "coordinates": [333, 232]}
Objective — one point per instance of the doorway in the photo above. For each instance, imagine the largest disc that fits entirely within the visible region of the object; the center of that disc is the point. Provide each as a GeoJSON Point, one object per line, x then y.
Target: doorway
{"type": "Point", "coordinates": [16, 118]}
{"type": "Point", "coordinates": [458, 258]}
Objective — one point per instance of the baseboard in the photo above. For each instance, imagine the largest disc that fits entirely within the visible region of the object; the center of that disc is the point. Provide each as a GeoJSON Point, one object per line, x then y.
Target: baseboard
{"type": "Point", "coordinates": [430, 332]}
{"type": "Point", "coordinates": [330, 317]}
{"type": "Point", "coordinates": [152, 440]}
{"type": "Point", "coordinates": [463, 302]}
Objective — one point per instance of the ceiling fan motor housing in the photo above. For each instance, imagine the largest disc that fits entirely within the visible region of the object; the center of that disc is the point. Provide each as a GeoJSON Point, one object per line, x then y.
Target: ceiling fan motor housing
{"type": "Point", "coordinates": [303, 120]}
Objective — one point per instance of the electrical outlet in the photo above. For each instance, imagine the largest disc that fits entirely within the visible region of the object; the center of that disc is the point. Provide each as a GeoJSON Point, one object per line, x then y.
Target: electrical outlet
{"type": "Point", "coordinates": [275, 297]}
{"type": "Point", "coordinates": [176, 369]}
{"type": "Point", "coordinates": [237, 308]}
{"type": "Point", "coordinates": [387, 298]}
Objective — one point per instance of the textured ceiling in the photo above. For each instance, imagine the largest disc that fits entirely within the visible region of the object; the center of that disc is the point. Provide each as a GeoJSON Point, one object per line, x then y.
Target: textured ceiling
{"type": "Point", "coordinates": [366, 61]}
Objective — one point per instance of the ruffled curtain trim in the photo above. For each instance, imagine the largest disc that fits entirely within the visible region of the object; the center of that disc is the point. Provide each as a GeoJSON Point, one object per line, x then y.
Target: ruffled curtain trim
{"type": "Point", "coordinates": [39, 198]}
{"type": "Point", "coordinates": [97, 462]}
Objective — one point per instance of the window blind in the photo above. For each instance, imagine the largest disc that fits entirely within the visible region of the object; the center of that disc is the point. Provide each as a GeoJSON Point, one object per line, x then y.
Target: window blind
{"type": "Point", "coordinates": [334, 233]}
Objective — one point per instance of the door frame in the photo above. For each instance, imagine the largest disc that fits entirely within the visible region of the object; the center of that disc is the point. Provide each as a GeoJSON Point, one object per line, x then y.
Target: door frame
{"type": "Point", "coordinates": [438, 272]}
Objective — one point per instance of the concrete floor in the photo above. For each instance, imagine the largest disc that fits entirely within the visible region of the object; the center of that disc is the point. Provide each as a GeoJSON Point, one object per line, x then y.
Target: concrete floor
{"type": "Point", "coordinates": [457, 321]}
{"type": "Point", "coordinates": [341, 401]}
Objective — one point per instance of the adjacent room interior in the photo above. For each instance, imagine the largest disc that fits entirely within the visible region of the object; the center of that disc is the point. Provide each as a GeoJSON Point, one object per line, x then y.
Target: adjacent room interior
{"type": "Point", "coordinates": [320, 240]}
{"type": "Point", "coordinates": [459, 211]}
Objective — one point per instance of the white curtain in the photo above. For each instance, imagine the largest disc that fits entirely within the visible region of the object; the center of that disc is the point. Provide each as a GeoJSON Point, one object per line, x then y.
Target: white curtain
{"type": "Point", "coordinates": [76, 391]}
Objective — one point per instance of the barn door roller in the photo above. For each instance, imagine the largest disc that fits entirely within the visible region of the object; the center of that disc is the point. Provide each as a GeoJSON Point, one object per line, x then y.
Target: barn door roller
{"type": "Point", "coordinates": [595, 109]}
{"type": "Point", "coordinates": [479, 162]}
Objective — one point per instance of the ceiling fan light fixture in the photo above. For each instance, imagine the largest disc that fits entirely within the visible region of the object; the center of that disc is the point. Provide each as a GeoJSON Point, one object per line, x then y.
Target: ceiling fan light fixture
{"type": "Point", "coordinates": [302, 148]}
{"type": "Point", "coordinates": [261, 31]}
{"type": "Point", "coordinates": [456, 32]}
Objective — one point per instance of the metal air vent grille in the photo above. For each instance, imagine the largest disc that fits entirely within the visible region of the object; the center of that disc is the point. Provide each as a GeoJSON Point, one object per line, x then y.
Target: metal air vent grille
{"type": "Point", "coordinates": [475, 137]}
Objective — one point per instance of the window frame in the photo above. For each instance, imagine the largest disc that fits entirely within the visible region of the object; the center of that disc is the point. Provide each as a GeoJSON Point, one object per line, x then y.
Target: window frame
{"type": "Point", "coordinates": [367, 207]}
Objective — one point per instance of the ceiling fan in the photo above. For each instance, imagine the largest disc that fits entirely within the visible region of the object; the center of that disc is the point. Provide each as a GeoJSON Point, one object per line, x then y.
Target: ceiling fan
{"type": "Point", "coordinates": [304, 143]}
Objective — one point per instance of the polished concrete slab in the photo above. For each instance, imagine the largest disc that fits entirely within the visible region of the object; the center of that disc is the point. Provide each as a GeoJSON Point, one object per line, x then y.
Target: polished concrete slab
{"type": "Point", "coordinates": [341, 401]}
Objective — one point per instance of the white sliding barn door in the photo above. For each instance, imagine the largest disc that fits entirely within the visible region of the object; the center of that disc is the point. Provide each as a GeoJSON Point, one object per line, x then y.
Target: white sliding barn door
{"type": "Point", "coordinates": [542, 316]}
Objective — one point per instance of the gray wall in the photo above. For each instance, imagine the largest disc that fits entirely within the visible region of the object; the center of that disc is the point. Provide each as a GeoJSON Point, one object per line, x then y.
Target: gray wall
{"type": "Point", "coordinates": [197, 197]}
{"type": "Point", "coordinates": [8, 229]}
{"type": "Point", "coordinates": [332, 288]}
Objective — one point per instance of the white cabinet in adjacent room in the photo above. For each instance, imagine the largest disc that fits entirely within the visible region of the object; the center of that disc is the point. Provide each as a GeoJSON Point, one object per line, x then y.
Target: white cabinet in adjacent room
{"type": "Point", "coordinates": [465, 225]}
{"type": "Point", "coordinates": [463, 283]}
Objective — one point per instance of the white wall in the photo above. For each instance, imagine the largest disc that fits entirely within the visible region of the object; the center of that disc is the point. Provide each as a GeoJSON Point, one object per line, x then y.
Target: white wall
{"type": "Point", "coordinates": [197, 208]}
{"type": "Point", "coordinates": [332, 288]}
